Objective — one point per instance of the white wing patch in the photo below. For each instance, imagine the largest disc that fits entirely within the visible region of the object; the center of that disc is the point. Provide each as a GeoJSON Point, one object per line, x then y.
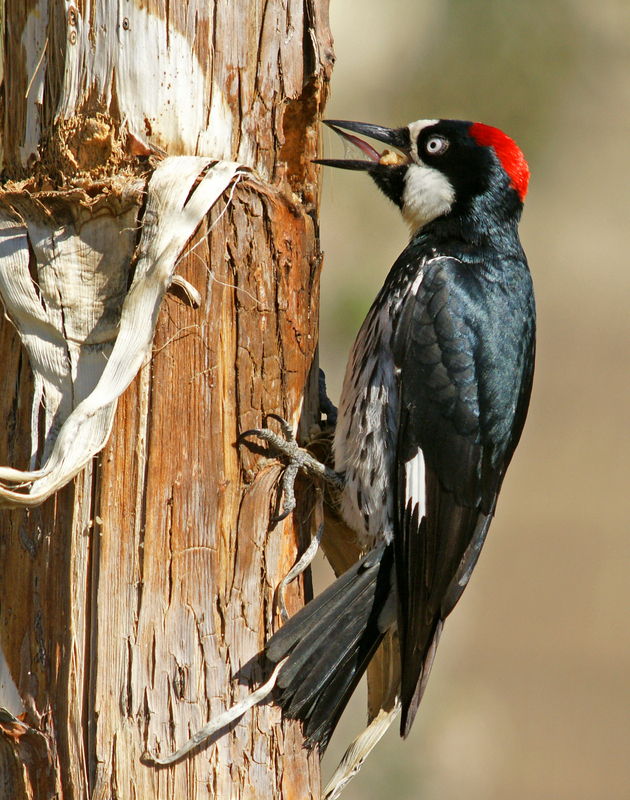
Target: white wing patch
{"type": "Point", "coordinates": [416, 283]}
{"type": "Point", "coordinates": [415, 484]}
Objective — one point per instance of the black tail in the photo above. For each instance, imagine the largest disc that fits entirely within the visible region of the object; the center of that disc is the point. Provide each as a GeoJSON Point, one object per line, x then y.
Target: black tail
{"type": "Point", "coordinates": [330, 642]}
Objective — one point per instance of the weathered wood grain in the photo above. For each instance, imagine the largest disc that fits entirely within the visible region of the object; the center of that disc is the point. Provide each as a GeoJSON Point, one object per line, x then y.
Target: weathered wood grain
{"type": "Point", "coordinates": [133, 604]}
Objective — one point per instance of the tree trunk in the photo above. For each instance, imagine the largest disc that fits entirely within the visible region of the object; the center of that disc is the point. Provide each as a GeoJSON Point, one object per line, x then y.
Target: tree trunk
{"type": "Point", "coordinates": [135, 599]}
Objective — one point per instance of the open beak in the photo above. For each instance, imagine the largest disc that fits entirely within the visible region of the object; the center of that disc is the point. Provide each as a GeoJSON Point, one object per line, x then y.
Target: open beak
{"type": "Point", "coordinates": [394, 137]}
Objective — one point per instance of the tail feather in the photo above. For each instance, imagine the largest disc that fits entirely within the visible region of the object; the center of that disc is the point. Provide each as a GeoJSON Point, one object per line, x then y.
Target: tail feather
{"type": "Point", "coordinates": [330, 649]}
{"type": "Point", "coordinates": [330, 643]}
{"type": "Point", "coordinates": [321, 641]}
{"type": "Point", "coordinates": [294, 630]}
{"type": "Point", "coordinates": [326, 712]}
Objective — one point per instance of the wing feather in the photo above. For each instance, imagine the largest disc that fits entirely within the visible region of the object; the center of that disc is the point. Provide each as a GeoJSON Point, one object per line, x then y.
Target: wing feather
{"type": "Point", "coordinates": [452, 453]}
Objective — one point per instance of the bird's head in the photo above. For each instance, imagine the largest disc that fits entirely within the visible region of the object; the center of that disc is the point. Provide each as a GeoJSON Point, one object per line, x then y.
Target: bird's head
{"type": "Point", "coordinates": [439, 168]}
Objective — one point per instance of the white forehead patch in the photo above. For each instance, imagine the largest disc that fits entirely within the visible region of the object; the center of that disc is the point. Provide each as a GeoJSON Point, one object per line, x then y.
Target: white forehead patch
{"type": "Point", "coordinates": [428, 194]}
{"type": "Point", "coordinates": [414, 131]}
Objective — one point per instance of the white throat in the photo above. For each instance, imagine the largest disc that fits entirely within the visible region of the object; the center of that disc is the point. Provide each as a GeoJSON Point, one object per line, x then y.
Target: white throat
{"type": "Point", "coordinates": [427, 194]}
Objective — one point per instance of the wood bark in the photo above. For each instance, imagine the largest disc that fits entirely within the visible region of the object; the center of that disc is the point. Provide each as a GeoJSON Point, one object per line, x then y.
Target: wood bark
{"type": "Point", "coordinates": [135, 601]}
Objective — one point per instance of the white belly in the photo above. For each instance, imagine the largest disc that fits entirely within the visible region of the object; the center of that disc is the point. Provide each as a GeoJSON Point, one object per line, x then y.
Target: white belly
{"type": "Point", "coordinates": [365, 438]}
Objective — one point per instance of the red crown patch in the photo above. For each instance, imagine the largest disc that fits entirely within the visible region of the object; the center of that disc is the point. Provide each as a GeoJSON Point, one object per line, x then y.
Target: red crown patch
{"type": "Point", "coordinates": [508, 152]}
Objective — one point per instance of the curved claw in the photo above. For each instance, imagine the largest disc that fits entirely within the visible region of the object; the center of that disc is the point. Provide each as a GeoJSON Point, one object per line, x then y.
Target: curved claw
{"type": "Point", "coordinates": [266, 434]}
{"type": "Point", "coordinates": [287, 430]}
{"type": "Point", "coordinates": [252, 432]}
{"type": "Point", "coordinates": [279, 517]}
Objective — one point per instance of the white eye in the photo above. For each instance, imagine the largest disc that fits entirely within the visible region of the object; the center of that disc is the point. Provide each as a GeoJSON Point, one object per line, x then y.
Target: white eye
{"type": "Point", "coordinates": [436, 145]}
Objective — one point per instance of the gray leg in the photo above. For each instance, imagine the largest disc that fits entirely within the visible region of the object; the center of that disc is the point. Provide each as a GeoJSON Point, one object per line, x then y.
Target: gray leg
{"type": "Point", "coordinates": [299, 459]}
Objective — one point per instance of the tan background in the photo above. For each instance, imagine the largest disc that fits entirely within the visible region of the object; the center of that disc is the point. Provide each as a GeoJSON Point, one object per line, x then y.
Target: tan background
{"type": "Point", "coordinates": [530, 694]}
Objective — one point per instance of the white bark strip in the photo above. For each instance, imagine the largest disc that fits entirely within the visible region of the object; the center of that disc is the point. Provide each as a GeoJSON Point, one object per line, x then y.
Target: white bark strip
{"type": "Point", "coordinates": [219, 722]}
{"type": "Point", "coordinates": [34, 44]}
{"type": "Point", "coordinates": [130, 52]}
{"type": "Point", "coordinates": [10, 699]}
{"type": "Point", "coordinates": [80, 371]}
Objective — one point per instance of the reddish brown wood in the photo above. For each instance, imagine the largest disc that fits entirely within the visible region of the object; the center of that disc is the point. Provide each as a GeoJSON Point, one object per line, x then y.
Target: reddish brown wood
{"type": "Point", "coordinates": [133, 604]}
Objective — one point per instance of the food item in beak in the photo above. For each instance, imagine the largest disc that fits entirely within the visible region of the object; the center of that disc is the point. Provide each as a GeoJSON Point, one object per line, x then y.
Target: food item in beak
{"type": "Point", "coordinates": [389, 158]}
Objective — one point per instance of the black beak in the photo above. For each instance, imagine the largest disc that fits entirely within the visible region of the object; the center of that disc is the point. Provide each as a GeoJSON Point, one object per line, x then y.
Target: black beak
{"type": "Point", "coordinates": [398, 138]}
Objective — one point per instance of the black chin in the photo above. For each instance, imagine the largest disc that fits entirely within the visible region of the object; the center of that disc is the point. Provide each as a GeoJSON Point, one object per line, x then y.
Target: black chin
{"type": "Point", "coordinates": [391, 181]}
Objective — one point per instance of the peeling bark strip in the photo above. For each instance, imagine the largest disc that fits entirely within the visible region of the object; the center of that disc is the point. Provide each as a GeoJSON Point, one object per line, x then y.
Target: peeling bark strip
{"type": "Point", "coordinates": [63, 278]}
{"type": "Point", "coordinates": [166, 578]}
{"type": "Point", "coordinates": [134, 601]}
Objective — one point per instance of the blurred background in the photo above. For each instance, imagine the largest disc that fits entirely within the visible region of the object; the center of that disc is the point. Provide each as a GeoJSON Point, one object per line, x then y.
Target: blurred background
{"type": "Point", "coordinates": [529, 698]}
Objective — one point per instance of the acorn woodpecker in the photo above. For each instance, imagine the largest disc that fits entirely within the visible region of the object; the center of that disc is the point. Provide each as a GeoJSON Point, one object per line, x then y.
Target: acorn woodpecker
{"type": "Point", "coordinates": [434, 400]}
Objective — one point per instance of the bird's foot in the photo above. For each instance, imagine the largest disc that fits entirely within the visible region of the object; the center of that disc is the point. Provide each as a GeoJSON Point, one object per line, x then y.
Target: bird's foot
{"type": "Point", "coordinates": [299, 459]}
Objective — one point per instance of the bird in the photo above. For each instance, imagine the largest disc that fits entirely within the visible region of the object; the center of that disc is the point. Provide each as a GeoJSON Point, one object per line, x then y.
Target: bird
{"type": "Point", "coordinates": [434, 400]}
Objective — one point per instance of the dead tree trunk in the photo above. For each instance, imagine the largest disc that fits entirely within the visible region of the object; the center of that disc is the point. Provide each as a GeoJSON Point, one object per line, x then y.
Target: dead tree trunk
{"type": "Point", "coordinates": [135, 596]}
